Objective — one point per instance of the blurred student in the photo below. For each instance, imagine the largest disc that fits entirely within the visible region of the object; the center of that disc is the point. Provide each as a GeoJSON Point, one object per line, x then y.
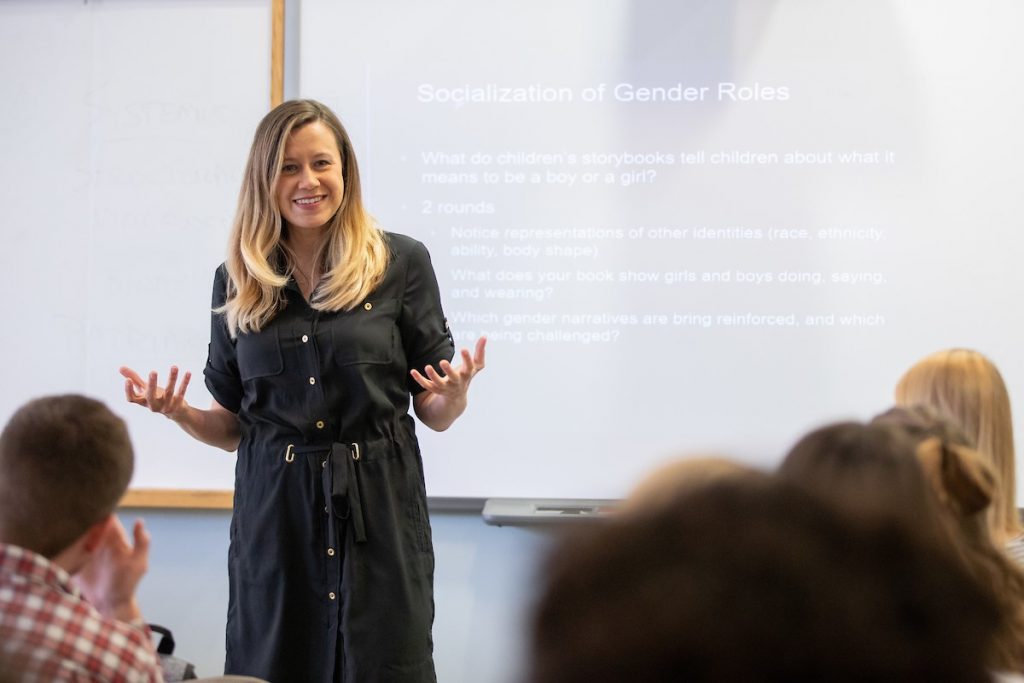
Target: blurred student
{"type": "Point", "coordinates": [665, 483]}
{"type": "Point", "coordinates": [754, 579]}
{"type": "Point", "coordinates": [68, 571]}
{"type": "Point", "coordinates": [965, 486]}
{"type": "Point", "coordinates": [964, 386]}
{"type": "Point", "coordinates": [879, 470]}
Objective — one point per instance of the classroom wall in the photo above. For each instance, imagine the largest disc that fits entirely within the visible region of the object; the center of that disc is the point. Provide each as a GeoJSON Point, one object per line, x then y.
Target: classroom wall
{"type": "Point", "coordinates": [484, 586]}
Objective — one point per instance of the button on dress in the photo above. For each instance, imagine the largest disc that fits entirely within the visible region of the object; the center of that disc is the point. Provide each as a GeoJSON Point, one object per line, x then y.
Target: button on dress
{"type": "Point", "coordinates": [331, 562]}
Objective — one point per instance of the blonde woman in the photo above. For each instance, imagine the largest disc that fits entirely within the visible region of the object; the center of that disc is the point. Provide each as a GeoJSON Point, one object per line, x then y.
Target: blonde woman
{"type": "Point", "coordinates": [324, 327]}
{"type": "Point", "coordinates": [965, 387]}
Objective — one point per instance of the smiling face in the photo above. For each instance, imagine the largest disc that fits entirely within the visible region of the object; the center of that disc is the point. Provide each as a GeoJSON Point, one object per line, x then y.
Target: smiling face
{"type": "Point", "coordinates": [310, 188]}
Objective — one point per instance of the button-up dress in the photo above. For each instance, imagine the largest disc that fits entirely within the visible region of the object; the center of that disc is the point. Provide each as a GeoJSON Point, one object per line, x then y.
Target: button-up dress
{"type": "Point", "coordinates": [331, 562]}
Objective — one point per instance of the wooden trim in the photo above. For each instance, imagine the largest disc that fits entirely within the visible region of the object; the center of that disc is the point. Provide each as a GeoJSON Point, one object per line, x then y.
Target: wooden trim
{"type": "Point", "coordinates": [177, 498]}
{"type": "Point", "coordinates": [276, 52]}
{"type": "Point", "coordinates": [222, 500]}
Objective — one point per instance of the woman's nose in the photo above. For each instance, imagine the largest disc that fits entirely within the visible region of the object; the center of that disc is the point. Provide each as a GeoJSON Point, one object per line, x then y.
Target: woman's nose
{"type": "Point", "coordinates": [307, 177]}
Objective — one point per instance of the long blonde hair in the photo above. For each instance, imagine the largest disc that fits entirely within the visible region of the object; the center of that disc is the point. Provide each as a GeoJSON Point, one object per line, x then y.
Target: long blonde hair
{"type": "Point", "coordinates": [964, 386]}
{"type": "Point", "coordinates": [354, 255]}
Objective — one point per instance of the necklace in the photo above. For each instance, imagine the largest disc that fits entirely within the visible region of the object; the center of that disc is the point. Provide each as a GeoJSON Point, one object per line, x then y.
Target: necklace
{"type": "Point", "coordinates": [307, 278]}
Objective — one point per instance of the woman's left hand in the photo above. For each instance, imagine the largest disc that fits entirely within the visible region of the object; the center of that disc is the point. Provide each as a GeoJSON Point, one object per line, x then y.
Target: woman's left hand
{"type": "Point", "coordinates": [456, 380]}
{"type": "Point", "coordinates": [445, 396]}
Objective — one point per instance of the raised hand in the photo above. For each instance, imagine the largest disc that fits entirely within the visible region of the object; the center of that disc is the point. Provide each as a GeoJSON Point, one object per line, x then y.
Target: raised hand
{"type": "Point", "coordinates": [168, 400]}
{"type": "Point", "coordinates": [445, 397]}
{"type": "Point", "coordinates": [455, 381]}
{"type": "Point", "coordinates": [110, 576]}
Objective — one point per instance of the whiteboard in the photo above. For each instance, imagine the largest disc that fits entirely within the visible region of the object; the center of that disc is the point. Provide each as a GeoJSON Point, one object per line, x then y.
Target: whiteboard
{"type": "Point", "coordinates": [125, 129]}
{"type": "Point", "coordinates": [685, 226]}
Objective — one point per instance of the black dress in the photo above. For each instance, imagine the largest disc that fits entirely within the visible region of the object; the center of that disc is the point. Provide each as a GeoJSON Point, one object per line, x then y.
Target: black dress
{"type": "Point", "coordinates": [331, 563]}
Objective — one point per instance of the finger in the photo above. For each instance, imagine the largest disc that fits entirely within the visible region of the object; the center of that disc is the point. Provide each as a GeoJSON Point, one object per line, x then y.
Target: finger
{"type": "Point", "coordinates": [468, 362]}
{"type": "Point", "coordinates": [129, 392]}
{"type": "Point", "coordinates": [151, 391]}
{"type": "Point", "coordinates": [433, 376]}
{"type": "Point", "coordinates": [117, 532]}
{"type": "Point", "coordinates": [141, 538]}
{"type": "Point", "coordinates": [421, 380]}
{"type": "Point", "coordinates": [463, 373]}
{"type": "Point", "coordinates": [172, 379]}
{"type": "Point", "coordinates": [479, 352]}
{"type": "Point", "coordinates": [184, 386]}
{"type": "Point", "coordinates": [130, 374]}
{"type": "Point", "coordinates": [447, 368]}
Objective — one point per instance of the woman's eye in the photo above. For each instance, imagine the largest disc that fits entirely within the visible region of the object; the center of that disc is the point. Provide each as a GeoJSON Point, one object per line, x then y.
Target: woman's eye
{"type": "Point", "coordinates": [323, 163]}
{"type": "Point", "coordinates": [288, 168]}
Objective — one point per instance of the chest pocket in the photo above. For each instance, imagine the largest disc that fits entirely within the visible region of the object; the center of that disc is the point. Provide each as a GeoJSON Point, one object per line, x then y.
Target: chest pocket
{"type": "Point", "coordinates": [366, 334]}
{"type": "Point", "coordinates": [259, 354]}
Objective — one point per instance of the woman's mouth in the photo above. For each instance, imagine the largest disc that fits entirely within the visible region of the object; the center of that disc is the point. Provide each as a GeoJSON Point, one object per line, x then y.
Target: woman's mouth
{"type": "Point", "coordinates": [309, 201]}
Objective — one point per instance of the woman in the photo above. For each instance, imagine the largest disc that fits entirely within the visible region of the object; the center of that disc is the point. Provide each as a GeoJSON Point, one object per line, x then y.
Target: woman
{"type": "Point", "coordinates": [965, 387]}
{"type": "Point", "coordinates": [321, 326]}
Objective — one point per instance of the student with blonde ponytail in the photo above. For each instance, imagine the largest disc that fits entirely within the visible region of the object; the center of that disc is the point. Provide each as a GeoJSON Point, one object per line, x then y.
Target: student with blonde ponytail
{"type": "Point", "coordinates": [965, 387]}
{"type": "Point", "coordinates": [324, 329]}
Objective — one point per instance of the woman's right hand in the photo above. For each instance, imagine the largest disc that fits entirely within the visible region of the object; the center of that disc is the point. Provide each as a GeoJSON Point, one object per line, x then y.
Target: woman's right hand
{"type": "Point", "coordinates": [217, 426]}
{"type": "Point", "coordinates": [169, 400]}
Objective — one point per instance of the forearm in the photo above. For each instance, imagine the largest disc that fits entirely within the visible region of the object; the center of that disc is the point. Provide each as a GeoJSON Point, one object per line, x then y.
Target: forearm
{"type": "Point", "coordinates": [438, 411]}
{"type": "Point", "coordinates": [216, 427]}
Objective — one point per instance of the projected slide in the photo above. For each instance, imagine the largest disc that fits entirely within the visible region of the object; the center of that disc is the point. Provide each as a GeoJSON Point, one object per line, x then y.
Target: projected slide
{"type": "Point", "coordinates": [684, 227]}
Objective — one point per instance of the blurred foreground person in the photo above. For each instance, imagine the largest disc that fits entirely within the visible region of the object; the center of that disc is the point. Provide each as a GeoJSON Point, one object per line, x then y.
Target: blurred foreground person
{"type": "Point", "coordinates": [755, 579]}
{"type": "Point", "coordinates": [667, 482]}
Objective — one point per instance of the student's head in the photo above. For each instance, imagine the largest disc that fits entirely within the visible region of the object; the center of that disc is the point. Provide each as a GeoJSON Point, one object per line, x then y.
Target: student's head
{"type": "Point", "coordinates": [959, 475]}
{"type": "Point", "coordinates": [677, 477]}
{"type": "Point", "coordinates": [965, 486]}
{"type": "Point", "coordinates": [755, 579]}
{"type": "Point", "coordinates": [301, 175]}
{"type": "Point", "coordinates": [964, 386]}
{"type": "Point", "coordinates": [872, 469]}
{"type": "Point", "coordinates": [65, 462]}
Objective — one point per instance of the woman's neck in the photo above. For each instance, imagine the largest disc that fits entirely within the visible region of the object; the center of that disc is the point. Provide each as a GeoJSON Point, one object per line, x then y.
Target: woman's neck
{"type": "Point", "coordinates": [304, 246]}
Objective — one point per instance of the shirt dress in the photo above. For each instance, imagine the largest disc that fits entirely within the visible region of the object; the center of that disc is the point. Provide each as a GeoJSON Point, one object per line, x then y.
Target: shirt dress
{"type": "Point", "coordinates": [331, 562]}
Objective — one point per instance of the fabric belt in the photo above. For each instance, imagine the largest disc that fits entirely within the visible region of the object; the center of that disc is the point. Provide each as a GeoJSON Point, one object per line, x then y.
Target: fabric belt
{"type": "Point", "coordinates": [341, 486]}
{"type": "Point", "coordinates": [339, 480]}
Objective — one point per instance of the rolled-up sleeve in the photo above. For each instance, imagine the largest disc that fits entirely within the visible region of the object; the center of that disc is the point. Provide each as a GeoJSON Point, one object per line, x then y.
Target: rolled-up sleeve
{"type": "Point", "coordinates": [221, 372]}
{"type": "Point", "coordinates": [425, 335]}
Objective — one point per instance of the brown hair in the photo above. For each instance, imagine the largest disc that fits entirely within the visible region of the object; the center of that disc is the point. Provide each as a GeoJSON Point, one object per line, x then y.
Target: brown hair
{"type": "Point", "coordinates": [871, 469]}
{"type": "Point", "coordinates": [672, 479]}
{"type": "Point", "coordinates": [965, 485]}
{"type": "Point", "coordinates": [354, 257]}
{"type": "Point", "coordinates": [755, 579]}
{"type": "Point", "coordinates": [65, 462]}
{"type": "Point", "coordinates": [964, 386]}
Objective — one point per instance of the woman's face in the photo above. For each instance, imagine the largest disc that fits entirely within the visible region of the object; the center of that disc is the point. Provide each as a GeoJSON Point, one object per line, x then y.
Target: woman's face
{"type": "Point", "coordinates": [310, 188]}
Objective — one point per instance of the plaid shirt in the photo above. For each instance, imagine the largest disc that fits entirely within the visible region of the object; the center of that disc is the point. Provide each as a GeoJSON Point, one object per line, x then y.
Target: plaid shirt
{"type": "Point", "coordinates": [48, 632]}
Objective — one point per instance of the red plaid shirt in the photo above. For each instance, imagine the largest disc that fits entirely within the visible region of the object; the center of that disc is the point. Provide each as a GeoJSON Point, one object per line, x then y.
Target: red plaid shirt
{"type": "Point", "coordinates": [48, 632]}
